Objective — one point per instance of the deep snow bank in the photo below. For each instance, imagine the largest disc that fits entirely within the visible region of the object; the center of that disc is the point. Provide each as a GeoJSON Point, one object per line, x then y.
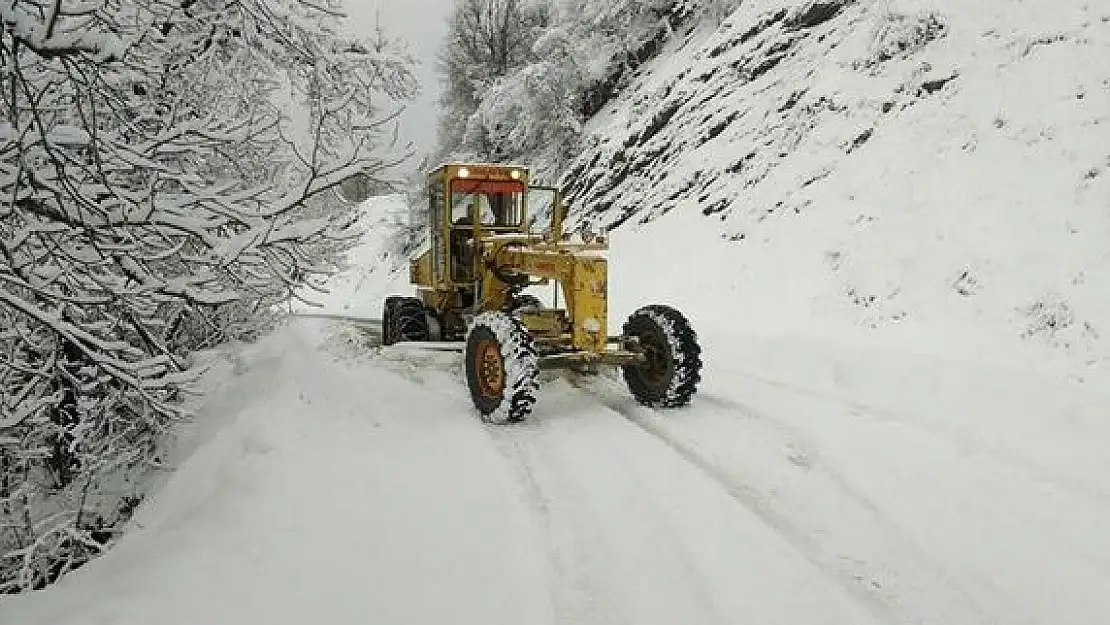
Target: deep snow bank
{"type": "Point", "coordinates": [933, 175]}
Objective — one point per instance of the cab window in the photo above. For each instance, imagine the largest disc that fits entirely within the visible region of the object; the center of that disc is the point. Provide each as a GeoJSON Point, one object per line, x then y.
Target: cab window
{"type": "Point", "coordinates": [496, 204]}
{"type": "Point", "coordinates": [436, 209]}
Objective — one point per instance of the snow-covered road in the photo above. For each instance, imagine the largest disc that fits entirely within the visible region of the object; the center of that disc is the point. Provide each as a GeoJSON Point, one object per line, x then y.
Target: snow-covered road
{"type": "Point", "coordinates": [331, 482]}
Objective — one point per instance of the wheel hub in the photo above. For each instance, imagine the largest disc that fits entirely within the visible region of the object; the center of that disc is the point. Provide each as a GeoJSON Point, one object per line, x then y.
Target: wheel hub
{"type": "Point", "coordinates": [490, 369]}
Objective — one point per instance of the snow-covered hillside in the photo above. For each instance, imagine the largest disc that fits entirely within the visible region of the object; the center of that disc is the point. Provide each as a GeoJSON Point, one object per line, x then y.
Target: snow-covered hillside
{"type": "Point", "coordinates": [932, 174]}
{"type": "Point", "coordinates": [330, 481]}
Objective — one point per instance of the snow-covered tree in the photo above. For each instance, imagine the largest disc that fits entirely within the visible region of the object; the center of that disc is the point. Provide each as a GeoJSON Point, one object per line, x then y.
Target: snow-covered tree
{"type": "Point", "coordinates": [534, 112]}
{"type": "Point", "coordinates": [486, 41]}
{"type": "Point", "coordinates": [529, 102]}
{"type": "Point", "coordinates": [719, 9]}
{"type": "Point", "coordinates": [156, 162]}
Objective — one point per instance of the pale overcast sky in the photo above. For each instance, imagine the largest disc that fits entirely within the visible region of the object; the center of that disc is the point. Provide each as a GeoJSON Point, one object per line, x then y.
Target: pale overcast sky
{"type": "Point", "coordinates": [423, 23]}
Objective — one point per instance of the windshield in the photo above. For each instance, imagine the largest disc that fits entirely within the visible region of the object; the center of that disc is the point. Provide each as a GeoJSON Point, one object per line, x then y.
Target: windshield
{"type": "Point", "coordinates": [541, 206]}
{"type": "Point", "coordinates": [497, 204]}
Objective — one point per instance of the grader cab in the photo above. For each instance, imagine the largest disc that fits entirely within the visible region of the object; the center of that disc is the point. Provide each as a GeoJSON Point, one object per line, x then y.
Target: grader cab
{"type": "Point", "coordinates": [481, 258]}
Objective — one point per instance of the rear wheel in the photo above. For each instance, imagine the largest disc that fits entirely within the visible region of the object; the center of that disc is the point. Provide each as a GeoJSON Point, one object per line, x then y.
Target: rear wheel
{"type": "Point", "coordinates": [502, 368]}
{"type": "Point", "coordinates": [672, 370]}
{"type": "Point", "coordinates": [387, 319]}
{"type": "Point", "coordinates": [404, 319]}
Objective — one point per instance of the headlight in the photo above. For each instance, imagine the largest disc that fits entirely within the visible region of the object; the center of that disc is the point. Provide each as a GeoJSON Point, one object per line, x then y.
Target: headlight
{"type": "Point", "coordinates": [463, 172]}
{"type": "Point", "coordinates": [515, 174]}
{"type": "Point", "coordinates": [591, 326]}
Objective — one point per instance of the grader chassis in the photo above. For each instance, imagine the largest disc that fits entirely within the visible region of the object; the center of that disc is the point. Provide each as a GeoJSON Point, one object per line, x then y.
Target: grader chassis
{"type": "Point", "coordinates": [482, 254]}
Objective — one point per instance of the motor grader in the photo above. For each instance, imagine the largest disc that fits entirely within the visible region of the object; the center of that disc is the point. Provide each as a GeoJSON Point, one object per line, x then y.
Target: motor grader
{"type": "Point", "coordinates": [481, 257]}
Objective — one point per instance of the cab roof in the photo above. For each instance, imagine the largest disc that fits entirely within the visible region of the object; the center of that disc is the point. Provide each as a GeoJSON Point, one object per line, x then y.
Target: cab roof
{"type": "Point", "coordinates": [505, 166]}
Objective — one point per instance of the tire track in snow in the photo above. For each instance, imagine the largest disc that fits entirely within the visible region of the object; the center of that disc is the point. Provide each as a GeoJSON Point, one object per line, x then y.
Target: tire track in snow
{"type": "Point", "coordinates": [957, 439]}
{"type": "Point", "coordinates": [807, 451]}
{"type": "Point", "coordinates": [856, 576]}
{"type": "Point", "coordinates": [584, 543]}
{"type": "Point", "coordinates": [754, 501]}
{"type": "Point", "coordinates": [570, 578]}
{"type": "Point", "coordinates": [956, 436]}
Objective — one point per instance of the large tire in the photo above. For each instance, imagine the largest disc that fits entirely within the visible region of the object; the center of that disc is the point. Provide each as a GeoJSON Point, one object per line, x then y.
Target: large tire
{"type": "Point", "coordinates": [388, 309]}
{"type": "Point", "coordinates": [502, 368]}
{"type": "Point", "coordinates": [671, 374]}
{"type": "Point", "coordinates": [405, 320]}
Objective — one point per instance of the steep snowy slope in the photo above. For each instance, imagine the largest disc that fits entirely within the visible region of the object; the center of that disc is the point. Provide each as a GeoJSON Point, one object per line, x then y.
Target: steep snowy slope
{"type": "Point", "coordinates": [935, 174]}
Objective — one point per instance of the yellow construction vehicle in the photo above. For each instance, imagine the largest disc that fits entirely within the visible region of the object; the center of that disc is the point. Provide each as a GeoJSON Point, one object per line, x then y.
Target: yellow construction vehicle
{"type": "Point", "coordinates": [482, 254]}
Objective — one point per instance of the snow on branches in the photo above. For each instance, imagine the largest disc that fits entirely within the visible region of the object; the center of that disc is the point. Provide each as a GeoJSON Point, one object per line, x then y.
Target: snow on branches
{"type": "Point", "coordinates": [527, 96]}
{"type": "Point", "coordinates": [154, 177]}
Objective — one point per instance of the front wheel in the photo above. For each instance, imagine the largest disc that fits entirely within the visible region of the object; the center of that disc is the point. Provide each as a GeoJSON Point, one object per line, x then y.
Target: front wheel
{"type": "Point", "coordinates": [502, 368]}
{"type": "Point", "coordinates": [669, 377]}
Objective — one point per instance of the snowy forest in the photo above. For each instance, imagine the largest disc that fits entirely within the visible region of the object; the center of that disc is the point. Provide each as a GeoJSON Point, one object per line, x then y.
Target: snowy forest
{"type": "Point", "coordinates": [168, 171]}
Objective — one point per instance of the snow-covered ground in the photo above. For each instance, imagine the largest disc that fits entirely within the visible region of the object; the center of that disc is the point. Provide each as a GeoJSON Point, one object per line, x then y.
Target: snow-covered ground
{"type": "Point", "coordinates": [330, 481]}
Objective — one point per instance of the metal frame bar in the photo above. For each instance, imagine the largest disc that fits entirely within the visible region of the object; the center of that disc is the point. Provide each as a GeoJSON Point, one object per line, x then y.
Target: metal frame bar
{"type": "Point", "coordinates": [607, 358]}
